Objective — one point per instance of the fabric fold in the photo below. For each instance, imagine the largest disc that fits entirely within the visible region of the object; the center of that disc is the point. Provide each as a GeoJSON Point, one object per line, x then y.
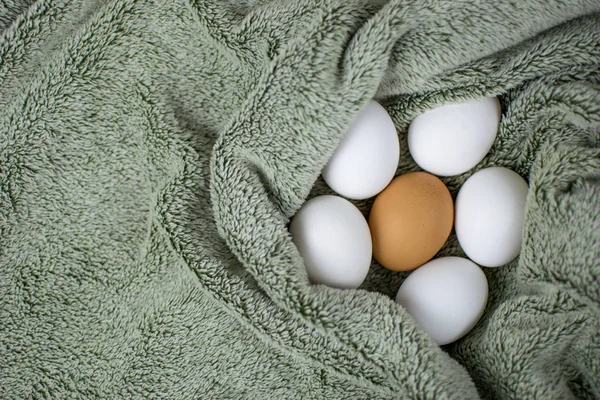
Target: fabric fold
{"type": "Point", "coordinates": [153, 153]}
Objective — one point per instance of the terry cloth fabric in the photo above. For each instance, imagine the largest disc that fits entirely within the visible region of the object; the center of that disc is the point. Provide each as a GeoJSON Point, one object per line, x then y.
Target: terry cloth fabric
{"type": "Point", "coordinates": [153, 152]}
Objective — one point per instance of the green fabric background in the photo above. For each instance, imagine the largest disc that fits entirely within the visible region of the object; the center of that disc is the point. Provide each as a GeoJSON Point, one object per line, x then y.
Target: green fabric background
{"type": "Point", "coordinates": [152, 153]}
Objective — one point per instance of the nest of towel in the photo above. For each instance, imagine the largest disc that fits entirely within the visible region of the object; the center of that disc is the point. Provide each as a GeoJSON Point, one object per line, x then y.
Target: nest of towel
{"type": "Point", "coordinates": [152, 154]}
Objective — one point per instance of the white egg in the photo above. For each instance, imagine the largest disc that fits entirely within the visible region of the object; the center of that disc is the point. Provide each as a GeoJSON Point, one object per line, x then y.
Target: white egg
{"type": "Point", "coordinates": [367, 157]}
{"type": "Point", "coordinates": [489, 216]}
{"type": "Point", "coordinates": [334, 240]}
{"type": "Point", "coordinates": [446, 297]}
{"type": "Point", "coordinates": [451, 139]}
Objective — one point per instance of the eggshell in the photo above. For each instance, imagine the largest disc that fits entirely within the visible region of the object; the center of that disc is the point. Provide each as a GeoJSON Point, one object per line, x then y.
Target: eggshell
{"type": "Point", "coordinates": [451, 139]}
{"type": "Point", "coordinates": [490, 212]}
{"type": "Point", "coordinates": [410, 221]}
{"type": "Point", "coordinates": [333, 238]}
{"type": "Point", "coordinates": [446, 297]}
{"type": "Point", "coordinates": [366, 159]}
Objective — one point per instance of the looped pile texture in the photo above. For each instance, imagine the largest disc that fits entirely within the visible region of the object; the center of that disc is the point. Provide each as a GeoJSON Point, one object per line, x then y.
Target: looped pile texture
{"type": "Point", "coordinates": [153, 152]}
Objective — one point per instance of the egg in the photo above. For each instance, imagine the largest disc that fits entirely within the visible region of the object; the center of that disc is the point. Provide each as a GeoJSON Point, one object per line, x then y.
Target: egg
{"type": "Point", "coordinates": [333, 238]}
{"type": "Point", "coordinates": [410, 221]}
{"type": "Point", "coordinates": [451, 139]}
{"type": "Point", "coordinates": [490, 211]}
{"type": "Point", "coordinates": [367, 157]}
{"type": "Point", "coordinates": [446, 297]}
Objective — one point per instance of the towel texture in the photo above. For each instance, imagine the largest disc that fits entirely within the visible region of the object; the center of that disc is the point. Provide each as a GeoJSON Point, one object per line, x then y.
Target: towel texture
{"type": "Point", "coordinates": [153, 152]}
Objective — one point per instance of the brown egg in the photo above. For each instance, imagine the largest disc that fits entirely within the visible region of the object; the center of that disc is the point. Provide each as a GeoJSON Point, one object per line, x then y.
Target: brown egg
{"type": "Point", "coordinates": [410, 221]}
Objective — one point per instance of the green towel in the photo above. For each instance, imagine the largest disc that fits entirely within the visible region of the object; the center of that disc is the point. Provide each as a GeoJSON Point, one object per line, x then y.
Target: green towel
{"type": "Point", "coordinates": [153, 152]}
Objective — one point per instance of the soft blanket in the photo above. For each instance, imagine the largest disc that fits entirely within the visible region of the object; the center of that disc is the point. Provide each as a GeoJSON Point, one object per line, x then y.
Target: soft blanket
{"type": "Point", "coordinates": [153, 152]}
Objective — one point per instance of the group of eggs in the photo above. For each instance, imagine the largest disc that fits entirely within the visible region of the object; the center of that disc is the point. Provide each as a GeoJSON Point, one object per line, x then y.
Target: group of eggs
{"type": "Point", "coordinates": [413, 214]}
